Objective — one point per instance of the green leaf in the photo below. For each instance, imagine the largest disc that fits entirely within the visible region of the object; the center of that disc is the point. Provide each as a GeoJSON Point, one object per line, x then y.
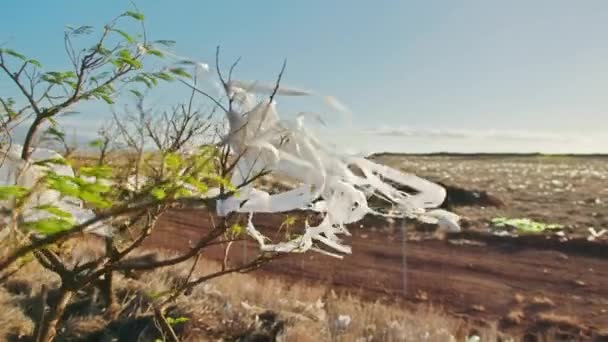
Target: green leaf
{"type": "Point", "coordinates": [102, 50]}
{"type": "Point", "coordinates": [221, 181]}
{"type": "Point", "coordinates": [235, 230]}
{"type": "Point", "coordinates": [93, 187]}
{"type": "Point", "coordinates": [180, 72]}
{"type": "Point", "coordinates": [158, 193]}
{"type": "Point", "coordinates": [524, 225]}
{"type": "Point", "coordinates": [155, 52]}
{"type": "Point", "coordinates": [163, 76]}
{"type": "Point", "coordinates": [13, 53]}
{"type": "Point", "coordinates": [134, 15]}
{"type": "Point", "coordinates": [57, 77]}
{"type": "Point", "coordinates": [125, 35]}
{"type": "Point", "coordinates": [54, 161]}
{"type": "Point", "coordinates": [137, 93]}
{"type": "Point", "coordinates": [145, 80]}
{"type": "Point", "coordinates": [68, 74]}
{"type": "Point", "coordinates": [55, 133]}
{"type": "Point", "coordinates": [201, 187]}
{"type": "Point", "coordinates": [106, 98]}
{"type": "Point", "coordinates": [49, 226]}
{"type": "Point", "coordinates": [48, 78]}
{"type": "Point", "coordinates": [62, 184]}
{"type": "Point", "coordinates": [134, 63]}
{"type": "Point", "coordinates": [126, 57]}
{"type": "Point", "coordinates": [91, 193]}
{"type": "Point", "coordinates": [102, 171]}
{"type": "Point", "coordinates": [72, 84]}
{"type": "Point", "coordinates": [125, 53]}
{"type": "Point", "coordinates": [96, 143]}
{"type": "Point", "coordinates": [34, 62]}
{"type": "Point", "coordinates": [54, 210]}
{"type": "Point", "coordinates": [8, 191]}
{"type": "Point", "coordinates": [173, 161]}
{"type": "Point", "coordinates": [289, 220]}
{"type": "Point", "coordinates": [182, 192]}
{"type": "Point", "coordinates": [177, 320]}
{"type": "Point", "coordinates": [94, 199]}
{"type": "Point", "coordinates": [108, 88]}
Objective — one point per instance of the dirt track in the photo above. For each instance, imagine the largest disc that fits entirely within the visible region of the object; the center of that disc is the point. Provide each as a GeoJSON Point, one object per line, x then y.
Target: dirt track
{"type": "Point", "coordinates": [482, 280]}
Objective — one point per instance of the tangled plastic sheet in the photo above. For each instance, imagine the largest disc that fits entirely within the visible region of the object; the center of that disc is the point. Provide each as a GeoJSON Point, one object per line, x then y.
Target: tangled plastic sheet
{"type": "Point", "coordinates": [266, 143]}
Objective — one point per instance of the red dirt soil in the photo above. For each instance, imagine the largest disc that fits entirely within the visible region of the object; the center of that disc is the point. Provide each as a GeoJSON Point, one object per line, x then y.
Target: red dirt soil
{"type": "Point", "coordinates": [539, 284]}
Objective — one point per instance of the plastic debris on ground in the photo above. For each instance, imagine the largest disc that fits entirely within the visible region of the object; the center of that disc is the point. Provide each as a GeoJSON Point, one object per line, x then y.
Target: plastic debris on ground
{"type": "Point", "coordinates": [513, 226]}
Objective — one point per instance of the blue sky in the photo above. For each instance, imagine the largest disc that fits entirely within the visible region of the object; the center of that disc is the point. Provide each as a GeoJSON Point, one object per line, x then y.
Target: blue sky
{"type": "Point", "coordinates": [418, 75]}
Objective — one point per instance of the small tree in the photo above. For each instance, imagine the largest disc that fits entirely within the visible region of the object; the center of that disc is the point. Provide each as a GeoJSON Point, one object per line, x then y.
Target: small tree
{"type": "Point", "coordinates": [153, 146]}
{"type": "Point", "coordinates": [150, 162]}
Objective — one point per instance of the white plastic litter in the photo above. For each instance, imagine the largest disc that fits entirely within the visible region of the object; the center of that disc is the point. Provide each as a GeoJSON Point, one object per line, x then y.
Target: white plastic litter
{"type": "Point", "coordinates": [343, 322]}
{"type": "Point", "coordinates": [595, 234]}
{"type": "Point", "coordinates": [135, 182]}
{"type": "Point", "coordinates": [286, 147]}
{"type": "Point", "coordinates": [16, 171]}
{"type": "Point", "coordinates": [446, 220]}
{"type": "Point", "coordinates": [473, 338]}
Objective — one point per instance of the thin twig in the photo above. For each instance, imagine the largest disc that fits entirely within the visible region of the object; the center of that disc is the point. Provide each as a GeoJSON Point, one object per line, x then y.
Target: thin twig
{"type": "Point", "coordinates": [216, 102]}
{"type": "Point", "coordinates": [226, 252]}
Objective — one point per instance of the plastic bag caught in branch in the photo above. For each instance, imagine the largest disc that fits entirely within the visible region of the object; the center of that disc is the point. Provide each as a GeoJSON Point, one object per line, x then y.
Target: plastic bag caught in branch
{"type": "Point", "coordinates": [327, 185]}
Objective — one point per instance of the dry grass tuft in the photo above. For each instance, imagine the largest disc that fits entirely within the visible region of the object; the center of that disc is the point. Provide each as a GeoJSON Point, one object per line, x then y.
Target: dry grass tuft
{"type": "Point", "coordinates": [542, 300]}
{"type": "Point", "coordinates": [553, 319]}
{"type": "Point", "coordinates": [515, 316]}
{"type": "Point", "coordinates": [29, 280]}
{"type": "Point", "coordinates": [14, 324]}
{"type": "Point", "coordinates": [82, 328]}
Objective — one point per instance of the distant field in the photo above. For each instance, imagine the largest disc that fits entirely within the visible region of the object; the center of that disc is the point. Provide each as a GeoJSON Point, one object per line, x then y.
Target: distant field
{"type": "Point", "coordinates": [571, 190]}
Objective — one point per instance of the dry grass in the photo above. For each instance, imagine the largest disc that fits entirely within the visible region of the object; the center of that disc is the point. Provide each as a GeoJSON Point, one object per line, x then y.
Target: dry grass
{"type": "Point", "coordinates": [543, 301]}
{"type": "Point", "coordinates": [227, 307]}
{"type": "Point", "coordinates": [515, 316]}
{"type": "Point", "coordinates": [14, 324]}
{"type": "Point", "coordinates": [312, 312]}
{"type": "Point", "coordinates": [554, 319]}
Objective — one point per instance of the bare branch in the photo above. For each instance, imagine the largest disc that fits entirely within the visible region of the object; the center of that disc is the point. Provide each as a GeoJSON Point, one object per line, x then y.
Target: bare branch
{"type": "Point", "coordinates": [216, 102]}
{"type": "Point", "coordinates": [278, 82]}
{"type": "Point", "coordinates": [24, 92]}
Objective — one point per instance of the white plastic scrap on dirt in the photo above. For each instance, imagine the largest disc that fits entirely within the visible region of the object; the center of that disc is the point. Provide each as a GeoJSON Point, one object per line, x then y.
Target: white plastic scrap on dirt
{"type": "Point", "coordinates": [594, 235]}
{"type": "Point", "coordinates": [16, 171]}
{"type": "Point", "coordinates": [343, 322]}
{"type": "Point", "coordinates": [266, 142]}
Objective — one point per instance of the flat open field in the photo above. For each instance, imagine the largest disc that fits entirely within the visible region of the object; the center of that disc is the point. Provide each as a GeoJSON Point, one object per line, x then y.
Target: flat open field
{"type": "Point", "coordinates": [567, 190]}
{"type": "Point", "coordinates": [522, 284]}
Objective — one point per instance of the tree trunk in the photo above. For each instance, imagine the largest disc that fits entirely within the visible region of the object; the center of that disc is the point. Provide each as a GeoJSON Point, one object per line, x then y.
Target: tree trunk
{"type": "Point", "coordinates": [29, 137]}
{"type": "Point", "coordinates": [107, 291]}
{"type": "Point", "coordinates": [44, 291]}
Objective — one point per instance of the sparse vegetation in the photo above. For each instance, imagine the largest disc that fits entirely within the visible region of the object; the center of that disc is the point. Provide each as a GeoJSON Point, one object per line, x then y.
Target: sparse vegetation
{"type": "Point", "coordinates": [145, 164]}
{"type": "Point", "coordinates": [229, 307]}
